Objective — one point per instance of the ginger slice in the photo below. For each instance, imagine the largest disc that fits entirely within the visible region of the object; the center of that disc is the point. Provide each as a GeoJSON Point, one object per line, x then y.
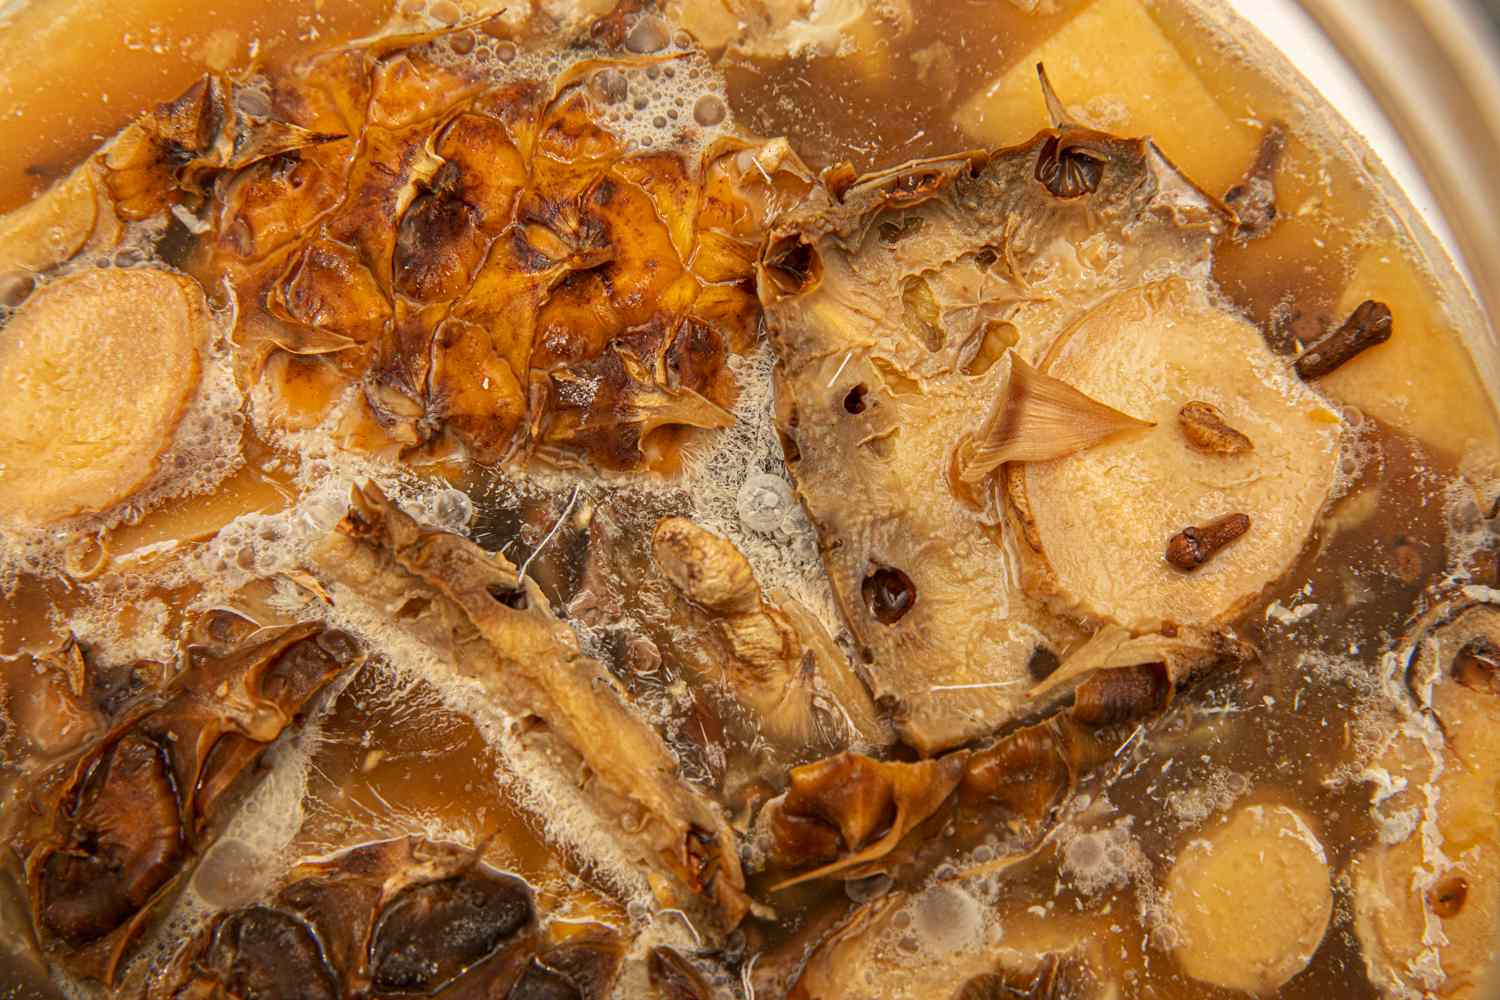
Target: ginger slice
{"type": "Point", "coordinates": [56, 224]}
{"type": "Point", "coordinates": [1252, 901]}
{"type": "Point", "coordinates": [96, 370]}
{"type": "Point", "coordinates": [1100, 523]}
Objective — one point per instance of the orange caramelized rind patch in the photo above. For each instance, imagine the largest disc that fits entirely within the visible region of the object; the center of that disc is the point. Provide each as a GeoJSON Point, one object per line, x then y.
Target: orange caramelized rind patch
{"type": "Point", "coordinates": [493, 250]}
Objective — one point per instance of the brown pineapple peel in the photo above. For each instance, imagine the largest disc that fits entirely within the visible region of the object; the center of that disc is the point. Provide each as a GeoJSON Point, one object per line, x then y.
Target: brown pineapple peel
{"type": "Point", "coordinates": [400, 917]}
{"type": "Point", "coordinates": [489, 258]}
{"type": "Point", "coordinates": [111, 829]}
{"type": "Point", "coordinates": [96, 370]}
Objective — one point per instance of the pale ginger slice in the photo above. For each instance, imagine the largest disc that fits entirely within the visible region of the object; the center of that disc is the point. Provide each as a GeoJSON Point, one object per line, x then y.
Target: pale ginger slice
{"type": "Point", "coordinates": [1425, 906]}
{"type": "Point", "coordinates": [96, 371]}
{"type": "Point", "coordinates": [942, 943]}
{"type": "Point", "coordinates": [1252, 901]}
{"type": "Point", "coordinates": [57, 224]}
{"type": "Point", "coordinates": [1098, 524]}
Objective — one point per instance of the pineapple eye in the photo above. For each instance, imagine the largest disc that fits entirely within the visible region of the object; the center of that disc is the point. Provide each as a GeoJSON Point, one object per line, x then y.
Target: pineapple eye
{"type": "Point", "coordinates": [889, 594]}
{"type": "Point", "coordinates": [431, 933]}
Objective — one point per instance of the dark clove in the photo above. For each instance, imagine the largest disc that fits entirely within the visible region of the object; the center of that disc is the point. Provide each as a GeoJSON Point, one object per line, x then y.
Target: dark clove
{"type": "Point", "coordinates": [1369, 325]}
{"type": "Point", "coordinates": [1254, 198]}
{"type": "Point", "coordinates": [1194, 546]}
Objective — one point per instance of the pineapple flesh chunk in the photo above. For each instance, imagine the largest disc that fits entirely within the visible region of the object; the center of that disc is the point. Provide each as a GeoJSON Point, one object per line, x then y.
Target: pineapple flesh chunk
{"type": "Point", "coordinates": [1126, 77]}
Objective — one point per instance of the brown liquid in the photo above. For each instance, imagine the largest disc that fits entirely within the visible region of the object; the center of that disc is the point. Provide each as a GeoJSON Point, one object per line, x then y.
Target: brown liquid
{"type": "Point", "coordinates": [1274, 733]}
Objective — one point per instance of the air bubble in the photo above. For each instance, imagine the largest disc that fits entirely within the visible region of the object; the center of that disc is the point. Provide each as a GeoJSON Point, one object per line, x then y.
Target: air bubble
{"type": "Point", "coordinates": [640, 103]}
{"type": "Point", "coordinates": [648, 35]}
{"type": "Point", "coordinates": [506, 51]}
{"type": "Point", "coordinates": [445, 11]}
{"type": "Point", "coordinates": [454, 509]}
{"type": "Point", "coordinates": [659, 121]}
{"type": "Point", "coordinates": [947, 919]}
{"type": "Point", "coordinates": [764, 503]}
{"type": "Point", "coordinates": [610, 86]}
{"type": "Point", "coordinates": [462, 43]}
{"type": "Point", "coordinates": [228, 875]}
{"type": "Point", "coordinates": [710, 110]}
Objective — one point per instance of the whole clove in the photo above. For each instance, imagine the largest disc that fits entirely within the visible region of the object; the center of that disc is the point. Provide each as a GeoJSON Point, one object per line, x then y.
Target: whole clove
{"type": "Point", "coordinates": [1254, 198]}
{"type": "Point", "coordinates": [1206, 430]}
{"type": "Point", "coordinates": [1194, 546]}
{"type": "Point", "coordinates": [1369, 325]}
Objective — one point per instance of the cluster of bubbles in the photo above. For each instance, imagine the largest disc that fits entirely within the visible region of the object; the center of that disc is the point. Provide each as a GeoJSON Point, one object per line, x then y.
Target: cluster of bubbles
{"type": "Point", "coordinates": [1103, 858]}
{"type": "Point", "coordinates": [675, 103]}
{"type": "Point", "coordinates": [661, 93]}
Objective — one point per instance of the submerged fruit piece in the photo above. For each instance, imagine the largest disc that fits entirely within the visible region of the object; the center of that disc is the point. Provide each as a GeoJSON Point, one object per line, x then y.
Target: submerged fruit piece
{"type": "Point", "coordinates": [1252, 901]}
{"type": "Point", "coordinates": [489, 624]}
{"type": "Point", "coordinates": [1421, 380]}
{"type": "Point", "coordinates": [114, 827]}
{"type": "Point", "coordinates": [879, 306]}
{"type": "Point", "coordinates": [1425, 910]}
{"type": "Point", "coordinates": [96, 370]}
{"type": "Point", "coordinates": [775, 29]}
{"type": "Point", "coordinates": [396, 918]}
{"type": "Point", "coordinates": [780, 664]}
{"type": "Point", "coordinates": [1098, 522]}
{"type": "Point", "coordinates": [1125, 75]}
